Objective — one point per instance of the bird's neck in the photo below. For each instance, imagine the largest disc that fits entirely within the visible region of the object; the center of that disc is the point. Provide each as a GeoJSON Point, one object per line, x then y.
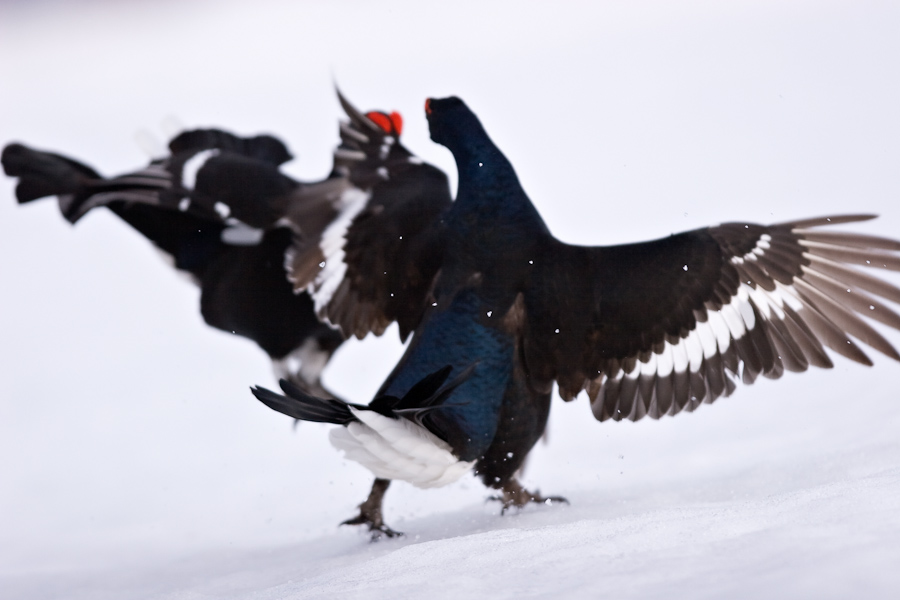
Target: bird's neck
{"type": "Point", "coordinates": [489, 189]}
{"type": "Point", "coordinates": [480, 158]}
{"type": "Point", "coordinates": [485, 174]}
{"type": "Point", "coordinates": [491, 228]}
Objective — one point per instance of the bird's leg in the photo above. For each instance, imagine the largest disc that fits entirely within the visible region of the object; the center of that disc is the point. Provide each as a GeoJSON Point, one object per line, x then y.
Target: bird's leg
{"type": "Point", "coordinates": [370, 512]}
{"type": "Point", "coordinates": [514, 495]}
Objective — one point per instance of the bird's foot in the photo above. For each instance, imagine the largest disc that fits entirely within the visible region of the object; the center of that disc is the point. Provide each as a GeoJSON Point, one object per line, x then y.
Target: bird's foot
{"type": "Point", "coordinates": [514, 495]}
{"type": "Point", "coordinates": [376, 525]}
{"type": "Point", "coordinates": [370, 513]}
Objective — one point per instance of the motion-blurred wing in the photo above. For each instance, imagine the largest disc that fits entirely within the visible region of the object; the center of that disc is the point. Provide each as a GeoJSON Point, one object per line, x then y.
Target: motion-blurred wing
{"type": "Point", "coordinates": [186, 204]}
{"type": "Point", "coordinates": [659, 327]}
{"type": "Point", "coordinates": [375, 262]}
{"type": "Point", "coordinates": [208, 172]}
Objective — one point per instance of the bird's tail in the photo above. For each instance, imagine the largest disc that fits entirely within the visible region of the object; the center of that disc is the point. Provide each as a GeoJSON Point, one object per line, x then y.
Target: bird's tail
{"type": "Point", "coordinates": [425, 396]}
{"type": "Point", "coordinates": [78, 187]}
{"type": "Point", "coordinates": [44, 174]}
{"type": "Point", "coordinates": [302, 406]}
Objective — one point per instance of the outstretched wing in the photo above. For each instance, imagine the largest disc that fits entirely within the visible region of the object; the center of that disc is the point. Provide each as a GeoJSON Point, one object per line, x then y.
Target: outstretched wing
{"type": "Point", "coordinates": [186, 204]}
{"type": "Point", "coordinates": [207, 172]}
{"type": "Point", "coordinates": [376, 260]}
{"type": "Point", "coordinates": [660, 327]}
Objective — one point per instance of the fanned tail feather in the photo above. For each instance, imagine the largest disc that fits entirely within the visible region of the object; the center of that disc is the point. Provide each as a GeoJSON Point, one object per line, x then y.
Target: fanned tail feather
{"type": "Point", "coordinates": [44, 174]}
{"type": "Point", "coordinates": [305, 407]}
{"type": "Point", "coordinates": [426, 395]}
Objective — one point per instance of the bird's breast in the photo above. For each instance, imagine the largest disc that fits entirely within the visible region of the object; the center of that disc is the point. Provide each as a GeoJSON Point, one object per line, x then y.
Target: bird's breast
{"type": "Point", "coordinates": [456, 336]}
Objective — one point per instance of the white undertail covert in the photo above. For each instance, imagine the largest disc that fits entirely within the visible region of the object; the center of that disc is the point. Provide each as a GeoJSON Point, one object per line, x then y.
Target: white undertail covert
{"type": "Point", "coordinates": [398, 449]}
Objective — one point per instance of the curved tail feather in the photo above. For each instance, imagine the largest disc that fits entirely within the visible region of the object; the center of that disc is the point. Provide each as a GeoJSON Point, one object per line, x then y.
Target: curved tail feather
{"type": "Point", "coordinates": [425, 396]}
{"type": "Point", "coordinates": [305, 407]}
{"type": "Point", "coordinates": [44, 174]}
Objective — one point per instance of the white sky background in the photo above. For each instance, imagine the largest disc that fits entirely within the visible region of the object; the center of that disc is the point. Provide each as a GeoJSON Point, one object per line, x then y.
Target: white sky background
{"type": "Point", "coordinates": [135, 463]}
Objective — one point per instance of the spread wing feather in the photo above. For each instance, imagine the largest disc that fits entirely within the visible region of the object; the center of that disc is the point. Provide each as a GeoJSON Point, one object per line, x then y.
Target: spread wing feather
{"type": "Point", "coordinates": [376, 261]}
{"type": "Point", "coordinates": [663, 326]}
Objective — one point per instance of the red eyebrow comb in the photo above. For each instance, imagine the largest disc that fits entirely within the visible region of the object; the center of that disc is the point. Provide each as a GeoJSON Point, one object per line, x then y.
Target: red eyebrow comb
{"type": "Point", "coordinates": [390, 123]}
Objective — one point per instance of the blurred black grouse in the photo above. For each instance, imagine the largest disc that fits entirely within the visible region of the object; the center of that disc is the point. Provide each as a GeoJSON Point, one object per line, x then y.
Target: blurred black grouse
{"type": "Point", "coordinates": [182, 203]}
{"type": "Point", "coordinates": [501, 310]}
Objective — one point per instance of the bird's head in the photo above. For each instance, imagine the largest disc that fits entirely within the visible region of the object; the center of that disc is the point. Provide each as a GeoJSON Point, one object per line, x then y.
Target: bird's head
{"type": "Point", "coordinates": [451, 122]}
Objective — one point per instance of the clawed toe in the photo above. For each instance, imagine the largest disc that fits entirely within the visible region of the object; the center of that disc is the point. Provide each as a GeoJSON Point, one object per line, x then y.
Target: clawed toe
{"type": "Point", "coordinates": [376, 526]}
{"type": "Point", "coordinates": [370, 513]}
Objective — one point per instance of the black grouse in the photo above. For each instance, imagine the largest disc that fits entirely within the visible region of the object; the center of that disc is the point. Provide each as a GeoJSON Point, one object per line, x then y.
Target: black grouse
{"type": "Point", "coordinates": [182, 204]}
{"type": "Point", "coordinates": [502, 310]}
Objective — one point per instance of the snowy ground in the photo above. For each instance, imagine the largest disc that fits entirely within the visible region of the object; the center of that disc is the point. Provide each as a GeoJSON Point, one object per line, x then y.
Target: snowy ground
{"type": "Point", "coordinates": [135, 464]}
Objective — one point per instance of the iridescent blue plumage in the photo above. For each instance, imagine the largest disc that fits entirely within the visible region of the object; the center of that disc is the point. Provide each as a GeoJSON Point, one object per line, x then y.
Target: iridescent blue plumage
{"type": "Point", "coordinates": [455, 336]}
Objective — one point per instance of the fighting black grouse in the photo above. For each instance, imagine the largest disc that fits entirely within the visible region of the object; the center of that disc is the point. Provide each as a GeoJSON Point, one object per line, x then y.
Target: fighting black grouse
{"type": "Point", "coordinates": [183, 204]}
{"type": "Point", "coordinates": [502, 310]}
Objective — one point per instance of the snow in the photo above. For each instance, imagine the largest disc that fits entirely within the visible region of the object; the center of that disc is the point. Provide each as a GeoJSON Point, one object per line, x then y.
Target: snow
{"type": "Point", "coordinates": [134, 463]}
